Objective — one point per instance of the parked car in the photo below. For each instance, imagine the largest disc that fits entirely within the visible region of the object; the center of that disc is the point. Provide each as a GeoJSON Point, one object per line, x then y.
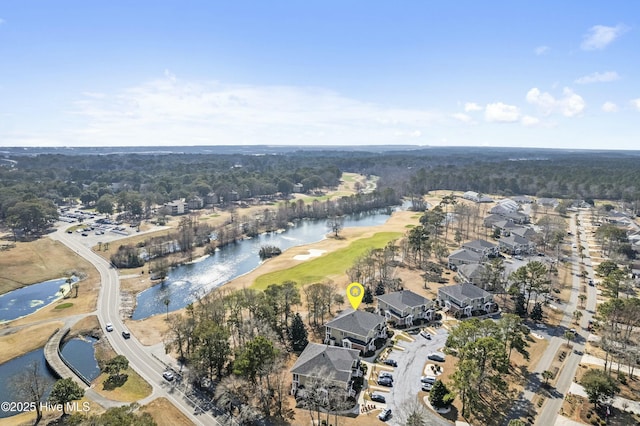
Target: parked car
{"type": "Point", "coordinates": [425, 335]}
{"type": "Point", "coordinates": [436, 357]}
{"type": "Point", "coordinates": [378, 397]}
{"type": "Point", "coordinates": [126, 334]}
{"type": "Point", "coordinates": [428, 379]}
{"type": "Point", "coordinates": [427, 387]}
{"type": "Point", "coordinates": [385, 374]}
{"type": "Point", "coordinates": [391, 362]}
{"type": "Point", "coordinates": [168, 375]}
{"type": "Point", "coordinates": [385, 414]}
{"type": "Point", "coordinates": [109, 327]}
{"type": "Point", "coordinates": [385, 381]}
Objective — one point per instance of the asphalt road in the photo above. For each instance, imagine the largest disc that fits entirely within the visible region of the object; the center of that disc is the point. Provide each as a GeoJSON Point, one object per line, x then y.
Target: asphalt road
{"type": "Point", "coordinates": [139, 356]}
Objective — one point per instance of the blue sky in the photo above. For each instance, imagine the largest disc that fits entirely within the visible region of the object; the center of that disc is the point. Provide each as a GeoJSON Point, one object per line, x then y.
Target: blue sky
{"type": "Point", "coordinates": [539, 73]}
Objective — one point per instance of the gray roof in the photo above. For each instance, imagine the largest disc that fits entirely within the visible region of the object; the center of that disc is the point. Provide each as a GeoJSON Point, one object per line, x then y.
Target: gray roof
{"type": "Point", "coordinates": [479, 245]}
{"type": "Point", "coordinates": [359, 323]}
{"type": "Point", "coordinates": [462, 291]}
{"type": "Point", "coordinates": [523, 231]}
{"type": "Point", "coordinates": [506, 224]}
{"type": "Point", "coordinates": [400, 300]}
{"type": "Point", "coordinates": [464, 254]}
{"type": "Point", "coordinates": [472, 271]}
{"type": "Point", "coordinates": [321, 360]}
{"type": "Point", "coordinates": [514, 239]}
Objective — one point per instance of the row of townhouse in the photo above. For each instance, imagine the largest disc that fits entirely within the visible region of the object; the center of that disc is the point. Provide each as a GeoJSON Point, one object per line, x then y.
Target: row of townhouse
{"type": "Point", "coordinates": [354, 333]}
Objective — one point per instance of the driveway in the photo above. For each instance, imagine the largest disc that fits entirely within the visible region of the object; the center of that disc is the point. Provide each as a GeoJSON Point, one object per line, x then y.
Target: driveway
{"type": "Point", "coordinates": [406, 384]}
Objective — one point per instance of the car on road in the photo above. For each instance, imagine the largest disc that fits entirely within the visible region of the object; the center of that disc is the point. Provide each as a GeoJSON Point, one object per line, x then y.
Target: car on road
{"type": "Point", "coordinates": [126, 334]}
{"type": "Point", "coordinates": [109, 327]}
{"type": "Point", "coordinates": [435, 356]}
{"type": "Point", "coordinates": [385, 381]}
{"type": "Point", "coordinates": [385, 414]}
{"type": "Point", "coordinates": [378, 397]}
{"type": "Point", "coordinates": [427, 387]}
{"type": "Point", "coordinates": [591, 283]}
{"type": "Point", "coordinates": [428, 379]}
{"type": "Point", "coordinates": [425, 335]}
{"type": "Point", "coordinates": [390, 362]}
{"type": "Point", "coordinates": [168, 375]}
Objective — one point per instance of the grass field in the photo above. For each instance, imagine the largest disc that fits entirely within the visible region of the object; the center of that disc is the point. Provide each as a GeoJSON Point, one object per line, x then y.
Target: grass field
{"type": "Point", "coordinates": [134, 388]}
{"type": "Point", "coordinates": [323, 267]}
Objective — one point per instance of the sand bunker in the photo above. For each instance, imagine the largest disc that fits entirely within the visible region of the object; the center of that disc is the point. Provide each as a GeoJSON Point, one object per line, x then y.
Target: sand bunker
{"type": "Point", "coordinates": [312, 253]}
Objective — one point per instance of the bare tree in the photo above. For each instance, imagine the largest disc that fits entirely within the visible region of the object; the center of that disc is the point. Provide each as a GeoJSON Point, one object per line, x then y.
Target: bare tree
{"type": "Point", "coordinates": [30, 385]}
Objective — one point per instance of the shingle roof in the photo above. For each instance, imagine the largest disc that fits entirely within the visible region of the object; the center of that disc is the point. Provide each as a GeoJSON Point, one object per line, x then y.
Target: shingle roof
{"type": "Point", "coordinates": [401, 300]}
{"type": "Point", "coordinates": [472, 271]}
{"type": "Point", "coordinates": [464, 254]}
{"type": "Point", "coordinates": [479, 245]}
{"type": "Point", "coordinates": [359, 323]}
{"type": "Point", "coordinates": [462, 291]}
{"type": "Point", "coordinates": [317, 359]}
{"type": "Point", "coordinates": [514, 239]}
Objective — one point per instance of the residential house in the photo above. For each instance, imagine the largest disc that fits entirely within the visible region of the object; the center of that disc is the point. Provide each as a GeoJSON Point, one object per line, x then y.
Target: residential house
{"type": "Point", "coordinates": [516, 217]}
{"type": "Point", "coordinates": [464, 299]}
{"type": "Point", "coordinates": [524, 232]}
{"type": "Point", "coordinates": [515, 244]}
{"type": "Point", "coordinates": [548, 202]}
{"type": "Point", "coordinates": [505, 227]}
{"type": "Point", "coordinates": [463, 257]}
{"type": "Point", "coordinates": [483, 247]}
{"type": "Point", "coordinates": [404, 307]}
{"type": "Point", "coordinates": [176, 207]}
{"type": "Point", "coordinates": [211, 199]}
{"type": "Point", "coordinates": [474, 274]}
{"type": "Point", "coordinates": [476, 197]}
{"type": "Point", "coordinates": [337, 364]}
{"type": "Point", "coordinates": [506, 205]}
{"type": "Point", "coordinates": [356, 330]}
{"type": "Point", "coordinates": [522, 199]}
{"type": "Point", "coordinates": [298, 187]}
{"type": "Point", "coordinates": [490, 220]}
{"type": "Point", "coordinates": [195, 203]}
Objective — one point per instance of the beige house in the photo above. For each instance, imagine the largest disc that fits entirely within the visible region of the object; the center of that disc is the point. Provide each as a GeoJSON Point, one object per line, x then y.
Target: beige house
{"type": "Point", "coordinates": [339, 365]}
{"type": "Point", "coordinates": [404, 307]}
{"type": "Point", "coordinates": [355, 330]}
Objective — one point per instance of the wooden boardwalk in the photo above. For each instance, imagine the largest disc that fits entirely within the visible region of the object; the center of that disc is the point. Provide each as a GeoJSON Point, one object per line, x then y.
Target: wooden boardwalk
{"type": "Point", "coordinates": [57, 363]}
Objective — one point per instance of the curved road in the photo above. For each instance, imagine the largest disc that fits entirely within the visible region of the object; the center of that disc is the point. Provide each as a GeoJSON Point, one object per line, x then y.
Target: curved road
{"type": "Point", "coordinates": [139, 356]}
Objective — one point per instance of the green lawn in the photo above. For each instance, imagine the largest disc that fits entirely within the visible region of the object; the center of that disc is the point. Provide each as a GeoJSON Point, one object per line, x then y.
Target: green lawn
{"type": "Point", "coordinates": [318, 269]}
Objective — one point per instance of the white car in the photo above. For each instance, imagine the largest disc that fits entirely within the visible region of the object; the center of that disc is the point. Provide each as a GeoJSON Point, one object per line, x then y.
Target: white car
{"type": "Point", "coordinates": [109, 327]}
{"type": "Point", "coordinates": [385, 414]}
{"type": "Point", "coordinates": [168, 375]}
{"type": "Point", "coordinates": [425, 335]}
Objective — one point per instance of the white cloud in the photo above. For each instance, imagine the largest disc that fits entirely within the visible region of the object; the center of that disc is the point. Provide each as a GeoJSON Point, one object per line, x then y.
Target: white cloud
{"type": "Point", "coordinates": [609, 107]}
{"type": "Point", "coordinates": [462, 117]}
{"type": "Point", "coordinates": [472, 106]}
{"type": "Point", "coordinates": [501, 113]}
{"type": "Point", "coordinates": [530, 121]}
{"type": "Point", "coordinates": [598, 77]}
{"type": "Point", "coordinates": [570, 105]}
{"type": "Point", "coordinates": [2, 21]}
{"type": "Point", "coordinates": [542, 50]}
{"type": "Point", "coordinates": [600, 36]}
{"type": "Point", "coordinates": [636, 103]}
{"type": "Point", "coordinates": [170, 110]}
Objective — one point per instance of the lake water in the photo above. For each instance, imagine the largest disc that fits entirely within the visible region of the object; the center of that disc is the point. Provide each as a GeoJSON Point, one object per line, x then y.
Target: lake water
{"type": "Point", "coordinates": [80, 352]}
{"type": "Point", "coordinates": [186, 283]}
{"type": "Point", "coordinates": [10, 370]}
{"type": "Point", "coordinates": [27, 300]}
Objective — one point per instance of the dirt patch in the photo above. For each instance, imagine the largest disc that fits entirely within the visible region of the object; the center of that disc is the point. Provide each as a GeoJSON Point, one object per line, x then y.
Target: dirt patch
{"type": "Point", "coordinates": [88, 326]}
{"type": "Point", "coordinates": [150, 331]}
{"type": "Point", "coordinates": [164, 413]}
{"type": "Point", "coordinates": [27, 339]}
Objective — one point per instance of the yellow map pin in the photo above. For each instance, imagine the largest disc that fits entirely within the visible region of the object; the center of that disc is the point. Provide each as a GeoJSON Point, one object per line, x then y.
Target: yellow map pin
{"type": "Point", "coordinates": [355, 292]}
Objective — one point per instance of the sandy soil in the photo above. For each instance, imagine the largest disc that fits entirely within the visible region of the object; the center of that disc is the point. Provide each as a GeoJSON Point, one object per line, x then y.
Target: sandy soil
{"type": "Point", "coordinates": [165, 413]}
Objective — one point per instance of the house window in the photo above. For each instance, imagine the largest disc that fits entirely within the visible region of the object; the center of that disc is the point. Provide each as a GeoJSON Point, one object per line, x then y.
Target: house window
{"type": "Point", "coordinates": [296, 378]}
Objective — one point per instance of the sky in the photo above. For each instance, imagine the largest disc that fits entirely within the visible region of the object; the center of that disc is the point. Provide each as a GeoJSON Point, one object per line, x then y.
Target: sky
{"type": "Point", "coordinates": [530, 73]}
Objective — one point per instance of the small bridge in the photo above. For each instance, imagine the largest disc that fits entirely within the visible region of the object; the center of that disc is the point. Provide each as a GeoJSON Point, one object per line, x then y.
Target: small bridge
{"type": "Point", "coordinates": [58, 364]}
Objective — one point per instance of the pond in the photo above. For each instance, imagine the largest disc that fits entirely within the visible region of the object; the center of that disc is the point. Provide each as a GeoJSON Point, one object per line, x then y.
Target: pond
{"type": "Point", "coordinates": [27, 300]}
{"type": "Point", "coordinates": [11, 370]}
{"type": "Point", "coordinates": [186, 283]}
{"type": "Point", "coordinates": [80, 353]}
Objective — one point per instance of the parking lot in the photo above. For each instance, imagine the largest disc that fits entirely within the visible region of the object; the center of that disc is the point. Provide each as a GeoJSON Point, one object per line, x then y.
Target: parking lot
{"type": "Point", "coordinates": [406, 376]}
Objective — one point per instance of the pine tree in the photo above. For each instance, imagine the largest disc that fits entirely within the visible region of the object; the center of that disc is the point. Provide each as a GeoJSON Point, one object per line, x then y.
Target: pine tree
{"type": "Point", "coordinates": [520, 309]}
{"type": "Point", "coordinates": [536, 312]}
{"type": "Point", "coordinates": [439, 395]}
{"type": "Point", "coordinates": [367, 298]}
{"type": "Point", "coordinates": [298, 334]}
{"type": "Point", "coordinates": [380, 289]}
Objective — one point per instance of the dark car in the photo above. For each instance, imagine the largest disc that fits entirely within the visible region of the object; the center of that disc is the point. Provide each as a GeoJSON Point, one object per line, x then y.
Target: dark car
{"type": "Point", "coordinates": [436, 357]}
{"type": "Point", "coordinates": [376, 397]}
{"type": "Point", "coordinates": [391, 362]}
{"type": "Point", "coordinates": [126, 334]}
{"type": "Point", "coordinates": [385, 381]}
